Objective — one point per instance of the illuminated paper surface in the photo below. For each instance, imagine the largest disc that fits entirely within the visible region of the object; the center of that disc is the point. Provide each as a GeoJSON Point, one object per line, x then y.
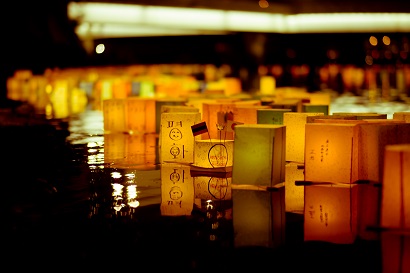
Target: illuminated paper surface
{"type": "Point", "coordinates": [294, 195]}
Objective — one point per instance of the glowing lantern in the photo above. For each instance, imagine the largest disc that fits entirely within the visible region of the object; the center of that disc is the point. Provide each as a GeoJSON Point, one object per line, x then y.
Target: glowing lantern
{"type": "Point", "coordinates": [294, 195]}
{"type": "Point", "coordinates": [258, 217]}
{"type": "Point", "coordinates": [402, 116]}
{"type": "Point", "coordinates": [295, 135]}
{"type": "Point", "coordinates": [395, 212]}
{"type": "Point", "coordinates": [362, 115]}
{"type": "Point", "coordinates": [330, 213]}
{"type": "Point", "coordinates": [294, 104]}
{"type": "Point", "coordinates": [159, 102]}
{"type": "Point", "coordinates": [331, 153]}
{"type": "Point", "coordinates": [177, 190]}
{"type": "Point", "coordinates": [213, 187]}
{"type": "Point", "coordinates": [136, 115]}
{"type": "Point", "coordinates": [213, 153]}
{"type": "Point", "coordinates": [315, 108]}
{"type": "Point", "coordinates": [177, 141]}
{"type": "Point", "coordinates": [259, 154]}
{"type": "Point", "coordinates": [267, 85]}
{"type": "Point", "coordinates": [271, 116]}
{"type": "Point", "coordinates": [115, 117]}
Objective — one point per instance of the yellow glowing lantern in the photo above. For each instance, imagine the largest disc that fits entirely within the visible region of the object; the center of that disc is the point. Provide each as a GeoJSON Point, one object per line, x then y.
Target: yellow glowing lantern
{"type": "Point", "coordinates": [159, 102]}
{"type": "Point", "coordinates": [294, 104]}
{"type": "Point", "coordinates": [331, 153]}
{"type": "Point", "coordinates": [213, 153]}
{"type": "Point", "coordinates": [294, 194]}
{"type": "Point", "coordinates": [259, 154]}
{"type": "Point", "coordinates": [395, 206]}
{"type": "Point", "coordinates": [315, 108]}
{"type": "Point", "coordinates": [233, 86]}
{"type": "Point", "coordinates": [271, 116]}
{"type": "Point", "coordinates": [177, 190]}
{"type": "Point", "coordinates": [177, 141]}
{"type": "Point", "coordinates": [369, 115]}
{"type": "Point", "coordinates": [114, 114]}
{"type": "Point", "coordinates": [247, 113]}
{"type": "Point", "coordinates": [258, 217]}
{"type": "Point", "coordinates": [213, 187]}
{"type": "Point", "coordinates": [136, 115]}
{"type": "Point", "coordinates": [267, 85]}
{"type": "Point", "coordinates": [295, 135]}
{"type": "Point", "coordinates": [330, 213]}
{"type": "Point", "coordinates": [402, 116]}
{"type": "Point", "coordinates": [395, 252]}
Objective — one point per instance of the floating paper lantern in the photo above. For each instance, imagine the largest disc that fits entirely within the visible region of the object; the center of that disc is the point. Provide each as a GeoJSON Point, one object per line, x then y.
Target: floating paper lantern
{"type": "Point", "coordinates": [177, 190]}
{"type": "Point", "coordinates": [259, 217]}
{"type": "Point", "coordinates": [402, 116]}
{"type": "Point", "coordinates": [177, 141]}
{"type": "Point", "coordinates": [159, 102]}
{"type": "Point", "coordinates": [331, 153]}
{"type": "Point", "coordinates": [330, 213]}
{"type": "Point", "coordinates": [259, 154]}
{"type": "Point", "coordinates": [395, 252]}
{"type": "Point", "coordinates": [213, 153]}
{"type": "Point", "coordinates": [295, 135]}
{"type": "Point", "coordinates": [395, 206]}
{"type": "Point", "coordinates": [315, 108]}
{"type": "Point", "coordinates": [370, 115]}
{"type": "Point", "coordinates": [267, 85]}
{"type": "Point", "coordinates": [137, 115]}
{"type": "Point", "coordinates": [271, 116]}
{"type": "Point", "coordinates": [213, 187]}
{"type": "Point", "coordinates": [114, 114]}
{"type": "Point", "coordinates": [294, 195]}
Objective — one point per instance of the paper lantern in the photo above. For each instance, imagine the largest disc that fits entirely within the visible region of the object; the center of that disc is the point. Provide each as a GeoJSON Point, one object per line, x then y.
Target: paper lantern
{"type": "Point", "coordinates": [259, 154]}
{"type": "Point", "coordinates": [213, 153]}
{"type": "Point", "coordinates": [271, 116]}
{"type": "Point", "coordinates": [315, 108]}
{"type": "Point", "coordinates": [159, 102]}
{"type": "Point", "coordinates": [294, 104]}
{"type": "Point", "coordinates": [331, 153]}
{"type": "Point", "coordinates": [114, 114]}
{"type": "Point", "coordinates": [395, 252]}
{"type": "Point", "coordinates": [330, 213]}
{"type": "Point", "coordinates": [295, 135]}
{"type": "Point", "coordinates": [294, 195]}
{"type": "Point", "coordinates": [259, 217]}
{"type": "Point", "coordinates": [140, 115]}
{"type": "Point", "coordinates": [395, 206]}
{"type": "Point", "coordinates": [177, 141]}
{"type": "Point", "coordinates": [212, 187]}
{"type": "Point", "coordinates": [177, 190]}
{"type": "Point", "coordinates": [402, 116]}
{"type": "Point", "coordinates": [267, 85]}
{"type": "Point", "coordinates": [362, 115]}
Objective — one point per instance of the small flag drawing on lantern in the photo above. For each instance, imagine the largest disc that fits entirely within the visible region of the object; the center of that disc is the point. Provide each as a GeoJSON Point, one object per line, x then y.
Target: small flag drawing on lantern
{"type": "Point", "coordinates": [230, 125]}
{"type": "Point", "coordinates": [199, 128]}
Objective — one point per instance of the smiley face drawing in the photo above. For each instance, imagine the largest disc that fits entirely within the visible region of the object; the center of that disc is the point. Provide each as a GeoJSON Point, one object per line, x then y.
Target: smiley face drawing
{"type": "Point", "coordinates": [175, 193]}
{"type": "Point", "coordinates": [175, 134]}
{"type": "Point", "coordinates": [175, 151]}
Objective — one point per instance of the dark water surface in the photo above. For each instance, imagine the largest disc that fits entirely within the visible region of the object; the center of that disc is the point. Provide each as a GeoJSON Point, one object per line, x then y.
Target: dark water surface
{"type": "Point", "coordinates": [63, 211]}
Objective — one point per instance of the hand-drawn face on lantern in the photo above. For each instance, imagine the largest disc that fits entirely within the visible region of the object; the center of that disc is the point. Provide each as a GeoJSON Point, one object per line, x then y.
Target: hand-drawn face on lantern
{"type": "Point", "coordinates": [175, 193]}
{"type": "Point", "coordinates": [174, 151]}
{"type": "Point", "coordinates": [175, 134]}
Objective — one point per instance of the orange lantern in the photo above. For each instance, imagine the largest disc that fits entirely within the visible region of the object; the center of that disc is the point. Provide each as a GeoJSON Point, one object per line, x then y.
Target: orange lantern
{"type": "Point", "coordinates": [294, 195]}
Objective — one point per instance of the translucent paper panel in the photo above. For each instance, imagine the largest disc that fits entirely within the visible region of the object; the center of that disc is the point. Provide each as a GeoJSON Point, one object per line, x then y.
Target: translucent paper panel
{"type": "Point", "coordinates": [115, 117]}
{"type": "Point", "coordinates": [213, 188]}
{"type": "Point", "coordinates": [295, 135]}
{"type": "Point", "coordinates": [259, 154]}
{"type": "Point", "coordinates": [330, 213]}
{"type": "Point", "coordinates": [271, 116]}
{"type": "Point", "coordinates": [213, 153]}
{"type": "Point", "coordinates": [331, 152]}
{"type": "Point", "coordinates": [294, 195]}
{"type": "Point", "coordinates": [176, 137]}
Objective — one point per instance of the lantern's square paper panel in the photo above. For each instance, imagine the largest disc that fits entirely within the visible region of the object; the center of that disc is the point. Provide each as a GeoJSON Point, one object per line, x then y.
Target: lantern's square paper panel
{"type": "Point", "coordinates": [395, 205]}
{"type": "Point", "coordinates": [177, 190]}
{"type": "Point", "coordinates": [158, 106]}
{"type": "Point", "coordinates": [176, 138]}
{"type": "Point", "coordinates": [213, 187]}
{"type": "Point", "coordinates": [395, 252]}
{"type": "Point", "coordinates": [247, 113]}
{"type": "Point", "coordinates": [331, 152]}
{"type": "Point", "coordinates": [136, 112]}
{"type": "Point", "coordinates": [213, 153]}
{"type": "Point", "coordinates": [258, 217]}
{"type": "Point", "coordinates": [295, 135]}
{"type": "Point", "coordinates": [114, 114]}
{"type": "Point", "coordinates": [294, 195]}
{"type": "Point", "coordinates": [405, 116]}
{"type": "Point", "coordinates": [330, 213]}
{"type": "Point", "coordinates": [259, 154]}
{"type": "Point", "coordinates": [271, 116]}
{"type": "Point", "coordinates": [114, 147]}
{"type": "Point", "coordinates": [315, 108]}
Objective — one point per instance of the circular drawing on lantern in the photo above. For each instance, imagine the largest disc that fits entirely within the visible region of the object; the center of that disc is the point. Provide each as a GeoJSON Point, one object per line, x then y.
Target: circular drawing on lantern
{"type": "Point", "coordinates": [218, 187]}
{"type": "Point", "coordinates": [175, 134]}
{"type": "Point", "coordinates": [218, 155]}
{"type": "Point", "coordinates": [175, 151]}
{"type": "Point", "coordinates": [175, 193]}
{"type": "Point", "coordinates": [174, 176]}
